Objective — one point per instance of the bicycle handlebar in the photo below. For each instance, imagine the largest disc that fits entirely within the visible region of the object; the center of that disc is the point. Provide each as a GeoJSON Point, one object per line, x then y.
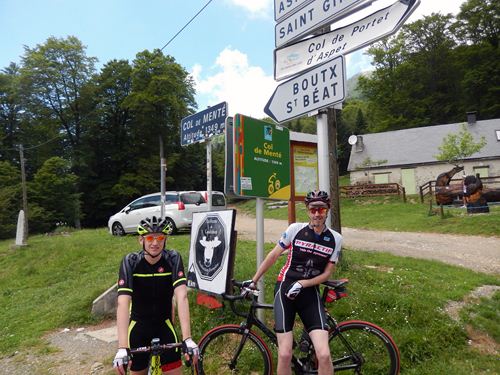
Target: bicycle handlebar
{"type": "Point", "coordinates": [159, 347]}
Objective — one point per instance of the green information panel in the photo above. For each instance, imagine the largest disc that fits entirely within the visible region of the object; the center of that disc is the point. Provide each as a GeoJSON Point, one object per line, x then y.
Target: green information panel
{"type": "Point", "coordinates": [261, 159]}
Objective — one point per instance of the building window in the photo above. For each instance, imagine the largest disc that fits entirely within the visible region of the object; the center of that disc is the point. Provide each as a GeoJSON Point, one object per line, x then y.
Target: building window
{"type": "Point", "coordinates": [381, 178]}
{"type": "Point", "coordinates": [483, 171]}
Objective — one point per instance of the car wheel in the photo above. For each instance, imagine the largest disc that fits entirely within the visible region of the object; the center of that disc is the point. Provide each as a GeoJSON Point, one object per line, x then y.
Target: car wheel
{"type": "Point", "coordinates": [172, 229]}
{"type": "Point", "coordinates": [117, 229]}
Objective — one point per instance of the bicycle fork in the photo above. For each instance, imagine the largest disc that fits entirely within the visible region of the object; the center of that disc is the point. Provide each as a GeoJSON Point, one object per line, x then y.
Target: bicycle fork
{"type": "Point", "coordinates": [244, 337]}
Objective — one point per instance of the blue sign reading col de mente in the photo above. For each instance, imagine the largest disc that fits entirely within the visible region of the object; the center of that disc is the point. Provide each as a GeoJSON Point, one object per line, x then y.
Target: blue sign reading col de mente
{"type": "Point", "coordinates": [203, 125]}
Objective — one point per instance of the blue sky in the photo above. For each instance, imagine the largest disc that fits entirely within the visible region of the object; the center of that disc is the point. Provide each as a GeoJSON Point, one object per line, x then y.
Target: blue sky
{"type": "Point", "coordinates": [228, 48]}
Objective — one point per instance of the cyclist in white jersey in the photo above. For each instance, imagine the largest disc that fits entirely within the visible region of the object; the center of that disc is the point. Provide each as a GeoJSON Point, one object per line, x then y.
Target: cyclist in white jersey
{"type": "Point", "coordinates": [313, 250]}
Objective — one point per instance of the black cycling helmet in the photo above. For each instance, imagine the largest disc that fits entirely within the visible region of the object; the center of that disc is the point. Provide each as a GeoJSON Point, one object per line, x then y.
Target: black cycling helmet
{"type": "Point", "coordinates": [317, 196]}
{"type": "Point", "coordinates": [153, 225]}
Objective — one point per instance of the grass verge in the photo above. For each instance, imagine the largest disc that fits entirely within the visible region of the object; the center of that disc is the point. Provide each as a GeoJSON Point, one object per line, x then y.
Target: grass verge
{"type": "Point", "coordinates": [51, 284]}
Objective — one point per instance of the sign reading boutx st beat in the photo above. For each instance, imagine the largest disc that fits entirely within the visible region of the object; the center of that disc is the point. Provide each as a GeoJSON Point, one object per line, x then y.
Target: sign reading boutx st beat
{"type": "Point", "coordinates": [312, 90]}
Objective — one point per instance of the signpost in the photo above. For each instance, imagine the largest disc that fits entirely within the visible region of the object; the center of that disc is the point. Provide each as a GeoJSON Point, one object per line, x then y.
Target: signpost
{"type": "Point", "coordinates": [283, 8]}
{"type": "Point", "coordinates": [261, 159]}
{"type": "Point", "coordinates": [320, 87]}
{"type": "Point", "coordinates": [306, 54]}
{"type": "Point", "coordinates": [203, 125]}
{"type": "Point", "coordinates": [314, 16]}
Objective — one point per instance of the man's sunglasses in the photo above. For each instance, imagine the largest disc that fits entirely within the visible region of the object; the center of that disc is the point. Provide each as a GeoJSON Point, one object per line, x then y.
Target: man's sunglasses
{"type": "Point", "coordinates": [151, 238]}
{"type": "Point", "coordinates": [318, 210]}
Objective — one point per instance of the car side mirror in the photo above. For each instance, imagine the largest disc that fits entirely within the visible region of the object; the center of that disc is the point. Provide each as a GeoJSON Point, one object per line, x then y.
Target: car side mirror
{"type": "Point", "coordinates": [127, 210]}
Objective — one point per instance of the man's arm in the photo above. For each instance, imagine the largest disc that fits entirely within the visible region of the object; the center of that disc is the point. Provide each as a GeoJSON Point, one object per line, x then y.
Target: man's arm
{"type": "Point", "coordinates": [181, 299]}
{"type": "Point", "coordinates": [122, 319]}
{"type": "Point", "coordinates": [270, 259]}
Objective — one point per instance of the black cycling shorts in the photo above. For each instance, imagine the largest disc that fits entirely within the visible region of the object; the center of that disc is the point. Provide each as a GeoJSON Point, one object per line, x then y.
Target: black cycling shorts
{"type": "Point", "coordinates": [142, 332]}
{"type": "Point", "coordinates": [307, 304]}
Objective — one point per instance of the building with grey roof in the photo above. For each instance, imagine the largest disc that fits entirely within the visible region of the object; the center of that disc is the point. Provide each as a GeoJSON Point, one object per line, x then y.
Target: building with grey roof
{"type": "Point", "coordinates": [408, 156]}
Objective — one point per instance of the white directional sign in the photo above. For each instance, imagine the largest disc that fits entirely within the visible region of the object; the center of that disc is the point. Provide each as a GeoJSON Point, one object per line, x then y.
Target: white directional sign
{"type": "Point", "coordinates": [283, 8]}
{"type": "Point", "coordinates": [318, 88]}
{"type": "Point", "coordinates": [306, 54]}
{"type": "Point", "coordinates": [314, 16]}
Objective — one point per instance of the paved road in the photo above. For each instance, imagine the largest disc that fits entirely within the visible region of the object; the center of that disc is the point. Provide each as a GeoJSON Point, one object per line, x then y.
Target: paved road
{"type": "Point", "coordinates": [477, 253]}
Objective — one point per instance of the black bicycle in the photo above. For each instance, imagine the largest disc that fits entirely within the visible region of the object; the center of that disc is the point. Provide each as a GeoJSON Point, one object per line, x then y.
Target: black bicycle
{"type": "Point", "coordinates": [357, 347]}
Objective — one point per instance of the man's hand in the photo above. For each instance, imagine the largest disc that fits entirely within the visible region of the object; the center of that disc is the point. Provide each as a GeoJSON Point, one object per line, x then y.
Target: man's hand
{"type": "Point", "coordinates": [294, 290]}
{"type": "Point", "coordinates": [190, 350]}
{"type": "Point", "coordinates": [247, 287]}
{"type": "Point", "coordinates": [122, 361]}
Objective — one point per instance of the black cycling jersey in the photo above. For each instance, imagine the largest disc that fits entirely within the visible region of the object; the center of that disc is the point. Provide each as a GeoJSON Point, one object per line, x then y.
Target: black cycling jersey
{"type": "Point", "coordinates": [309, 253]}
{"type": "Point", "coordinates": [151, 285]}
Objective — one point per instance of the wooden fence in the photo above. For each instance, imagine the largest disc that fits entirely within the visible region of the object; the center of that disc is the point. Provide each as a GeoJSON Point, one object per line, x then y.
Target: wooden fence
{"type": "Point", "coordinates": [372, 190]}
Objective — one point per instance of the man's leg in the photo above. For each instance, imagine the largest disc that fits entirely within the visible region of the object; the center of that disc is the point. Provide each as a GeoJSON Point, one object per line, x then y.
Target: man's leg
{"type": "Point", "coordinates": [319, 338]}
{"type": "Point", "coordinates": [285, 344]}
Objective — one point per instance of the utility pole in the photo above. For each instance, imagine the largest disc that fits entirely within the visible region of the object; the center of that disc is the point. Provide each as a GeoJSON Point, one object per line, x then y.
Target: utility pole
{"type": "Point", "coordinates": [25, 194]}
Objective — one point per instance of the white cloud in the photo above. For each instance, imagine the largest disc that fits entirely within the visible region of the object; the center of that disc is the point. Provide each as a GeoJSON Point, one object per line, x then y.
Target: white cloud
{"type": "Point", "coordinates": [357, 62]}
{"type": "Point", "coordinates": [245, 88]}
{"type": "Point", "coordinates": [257, 8]}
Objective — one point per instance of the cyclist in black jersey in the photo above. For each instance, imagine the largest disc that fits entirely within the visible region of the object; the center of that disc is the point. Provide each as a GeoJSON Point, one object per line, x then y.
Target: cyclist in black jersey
{"type": "Point", "coordinates": [313, 250]}
{"type": "Point", "coordinates": [148, 281]}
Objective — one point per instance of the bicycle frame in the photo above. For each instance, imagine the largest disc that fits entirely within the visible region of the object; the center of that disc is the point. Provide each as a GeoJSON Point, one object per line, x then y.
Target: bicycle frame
{"type": "Point", "coordinates": [253, 320]}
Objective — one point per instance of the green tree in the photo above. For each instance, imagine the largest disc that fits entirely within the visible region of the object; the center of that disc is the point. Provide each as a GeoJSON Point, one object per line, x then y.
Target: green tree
{"type": "Point", "coordinates": [458, 146]}
{"type": "Point", "coordinates": [107, 143]}
{"type": "Point", "coordinates": [10, 112]}
{"type": "Point", "coordinates": [54, 77]}
{"type": "Point", "coordinates": [54, 188]}
{"type": "Point", "coordinates": [479, 21]}
{"type": "Point", "coordinates": [415, 82]}
{"type": "Point", "coordinates": [10, 196]}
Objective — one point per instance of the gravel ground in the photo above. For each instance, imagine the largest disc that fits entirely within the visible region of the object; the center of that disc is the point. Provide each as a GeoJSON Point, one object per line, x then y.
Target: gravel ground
{"type": "Point", "coordinates": [78, 353]}
{"type": "Point", "coordinates": [480, 254]}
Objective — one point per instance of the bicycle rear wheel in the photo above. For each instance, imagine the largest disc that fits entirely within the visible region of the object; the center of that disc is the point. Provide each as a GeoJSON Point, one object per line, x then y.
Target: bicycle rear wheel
{"type": "Point", "coordinates": [228, 349]}
{"type": "Point", "coordinates": [359, 347]}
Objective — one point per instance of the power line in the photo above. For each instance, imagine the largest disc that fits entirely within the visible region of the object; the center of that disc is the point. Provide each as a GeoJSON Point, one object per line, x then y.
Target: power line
{"type": "Point", "coordinates": [178, 32]}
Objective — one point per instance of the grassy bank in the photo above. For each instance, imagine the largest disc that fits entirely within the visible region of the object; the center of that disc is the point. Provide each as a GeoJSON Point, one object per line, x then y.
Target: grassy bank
{"type": "Point", "coordinates": [51, 284]}
{"type": "Point", "coordinates": [391, 213]}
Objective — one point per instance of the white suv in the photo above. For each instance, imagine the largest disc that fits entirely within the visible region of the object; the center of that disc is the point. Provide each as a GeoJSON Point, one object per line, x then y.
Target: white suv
{"type": "Point", "coordinates": [179, 208]}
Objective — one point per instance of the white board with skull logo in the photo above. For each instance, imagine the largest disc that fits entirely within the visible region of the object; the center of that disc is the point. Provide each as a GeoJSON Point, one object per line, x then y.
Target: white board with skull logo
{"type": "Point", "coordinates": [211, 254]}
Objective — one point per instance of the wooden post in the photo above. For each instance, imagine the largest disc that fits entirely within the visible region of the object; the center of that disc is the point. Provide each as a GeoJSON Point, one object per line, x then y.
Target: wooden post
{"type": "Point", "coordinates": [334, 169]}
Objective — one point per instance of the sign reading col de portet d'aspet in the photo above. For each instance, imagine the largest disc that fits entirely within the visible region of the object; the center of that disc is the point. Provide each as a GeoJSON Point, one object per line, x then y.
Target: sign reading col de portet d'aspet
{"type": "Point", "coordinates": [261, 159]}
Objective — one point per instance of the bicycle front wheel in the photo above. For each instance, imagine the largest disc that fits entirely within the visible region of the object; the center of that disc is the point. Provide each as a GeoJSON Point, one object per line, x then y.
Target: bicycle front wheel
{"type": "Point", "coordinates": [228, 349]}
{"type": "Point", "coordinates": [359, 347]}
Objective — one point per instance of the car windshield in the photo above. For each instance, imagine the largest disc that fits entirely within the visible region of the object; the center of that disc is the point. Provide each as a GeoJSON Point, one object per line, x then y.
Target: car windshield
{"type": "Point", "coordinates": [192, 198]}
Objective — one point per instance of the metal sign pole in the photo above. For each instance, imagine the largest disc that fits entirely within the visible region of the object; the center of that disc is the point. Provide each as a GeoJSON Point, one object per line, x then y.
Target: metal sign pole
{"type": "Point", "coordinates": [259, 213]}
{"type": "Point", "coordinates": [209, 174]}
{"type": "Point", "coordinates": [323, 155]}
